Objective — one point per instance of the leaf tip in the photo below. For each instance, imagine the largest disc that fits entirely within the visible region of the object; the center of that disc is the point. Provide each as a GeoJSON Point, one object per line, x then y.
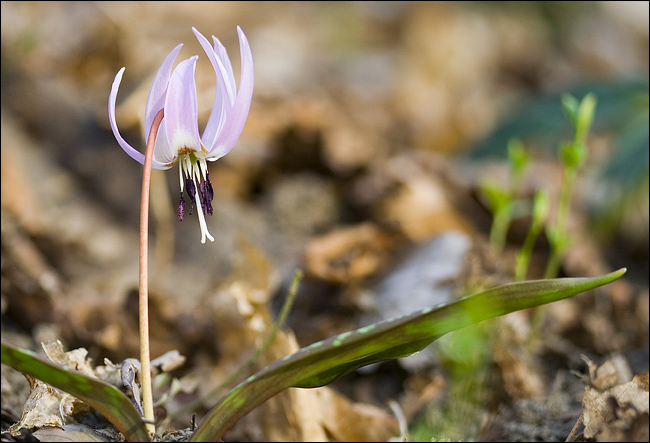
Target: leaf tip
{"type": "Point", "coordinates": [614, 275]}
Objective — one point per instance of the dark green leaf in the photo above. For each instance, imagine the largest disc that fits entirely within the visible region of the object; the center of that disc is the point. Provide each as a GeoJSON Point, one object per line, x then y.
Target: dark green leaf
{"type": "Point", "coordinates": [105, 398]}
{"type": "Point", "coordinates": [324, 361]}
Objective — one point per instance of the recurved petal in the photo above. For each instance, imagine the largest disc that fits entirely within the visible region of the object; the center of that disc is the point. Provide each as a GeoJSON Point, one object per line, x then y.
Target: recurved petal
{"type": "Point", "coordinates": [181, 112]}
{"type": "Point", "coordinates": [236, 117]}
{"type": "Point", "coordinates": [133, 153]}
{"type": "Point", "coordinates": [156, 98]}
{"type": "Point", "coordinates": [162, 152]}
{"type": "Point", "coordinates": [229, 76]}
{"type": "Point", "coordinates": [112, 98]}
{"type": "Point", "coordinates": [222, 101]}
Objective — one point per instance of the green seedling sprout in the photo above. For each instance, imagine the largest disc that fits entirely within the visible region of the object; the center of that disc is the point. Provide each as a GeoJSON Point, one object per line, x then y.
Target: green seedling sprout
{"type": "Point", "coordinates": [503, 202]}
{"type": "Point", "coordinates": [540, 212]}
{"type": "Point", "coordinates": [518, 161]}
{"type": "Point", "coordinates": [572, 155]}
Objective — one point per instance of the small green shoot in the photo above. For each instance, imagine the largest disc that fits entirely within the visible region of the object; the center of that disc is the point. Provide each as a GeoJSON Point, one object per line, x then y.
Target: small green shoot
{"type": "Point", "coordinates": [573, 155]}
{"type": "Point", "coordinates": [503, 201]}
{"type": "Point", "coordinates": [540, 212]}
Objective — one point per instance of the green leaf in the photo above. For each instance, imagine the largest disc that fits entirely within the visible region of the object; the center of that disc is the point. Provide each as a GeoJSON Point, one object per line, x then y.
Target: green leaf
{"type": "Point", "coordinates": [324, 361]}
{"type": "Point", "coordinates": [573, 154]}
{"type": "Point", "coordinates": [517, 156]}
{"type": "Point", "coordinates": [570, 105]}
{"type": "Point", "coordinates": [540, 206]}
{"type": "Point", "coordinates": [585, 116]}
{"type": "Point", "coordinates": [498, 198]}
{"type": "Point", "coordinates": [105, 398]}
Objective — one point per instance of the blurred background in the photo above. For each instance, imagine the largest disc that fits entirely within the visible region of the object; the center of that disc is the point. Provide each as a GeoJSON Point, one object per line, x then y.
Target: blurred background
{"type": "Point", "coordinates": [372, 127]}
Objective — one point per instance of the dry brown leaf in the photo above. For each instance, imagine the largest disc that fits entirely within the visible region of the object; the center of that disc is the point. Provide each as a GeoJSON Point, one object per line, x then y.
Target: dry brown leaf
{"type": "Point", "coordinates": [521, 379]}
{"type": "Point", "coordinates": [319, 413]}
{"type": "Point", "coordinates": [615, 412]}
{"type": "Point", "coordinates": [71, 432]}
{"type": "Point", "coordinates": [348, 148]}
{"type": "Point", "coordinates": [347, 254]}
{"type": "Point", "coordinates": [421, 207]}
{"type": "Point", "coordinates": [74, 359]}
{"type": "Point", "coordinates": [520, 371]}
{"type": "Point", "coordinates": [287, 416]}
{"type": "Point", "coordinates": [311, 414]}
{"type": "Point", "coordinates": [19, 195]}
{"type": "Point", "coordinates": [47, 406]}
{"type": "Point", "coordinates": [349, 421]}
{"type": "Point", "coordinates": [41, 407]}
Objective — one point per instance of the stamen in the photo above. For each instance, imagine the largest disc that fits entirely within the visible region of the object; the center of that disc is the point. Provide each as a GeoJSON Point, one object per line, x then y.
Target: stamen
{"type": "Point", "coordinates": [190, 173]}
{"type": "Point", "coordinates": [191, 192]}
{"type": "Point", "coordinates": [180, 173]}
{"type": "Point", "coordinates": [196, 172]}
{"type": "Point", "coordinates": [204, 226]}
{"type": "Point", "coordinates": [209, 186]}
{"type": "Point", "coordinates": [181, 208]}
{"type": "Point", "coordinates": [204, 167]}
{"type": "Point", "coordinates": [201, 190]}
{"type": "Point", "coordinates": [208, 194]}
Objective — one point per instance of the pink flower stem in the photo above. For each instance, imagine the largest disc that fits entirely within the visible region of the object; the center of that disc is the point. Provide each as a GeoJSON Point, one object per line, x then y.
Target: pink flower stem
{"type": "Point", "coordinates": [145, 356]}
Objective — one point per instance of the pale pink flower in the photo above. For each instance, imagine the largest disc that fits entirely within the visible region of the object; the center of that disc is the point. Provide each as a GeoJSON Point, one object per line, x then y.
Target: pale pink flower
{"type": "Point", "coordinates": [178, 138]}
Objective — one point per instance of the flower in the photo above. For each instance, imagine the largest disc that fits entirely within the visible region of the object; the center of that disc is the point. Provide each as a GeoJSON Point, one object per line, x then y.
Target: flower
{"type": "Point", "coordinates": [178, 140]}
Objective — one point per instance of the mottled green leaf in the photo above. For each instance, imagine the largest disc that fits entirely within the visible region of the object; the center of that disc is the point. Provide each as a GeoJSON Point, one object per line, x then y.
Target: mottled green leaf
{"type": "Point", "coordinates": [322, 362]}
{"type": "Point", "coordinates": [105, 398]}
